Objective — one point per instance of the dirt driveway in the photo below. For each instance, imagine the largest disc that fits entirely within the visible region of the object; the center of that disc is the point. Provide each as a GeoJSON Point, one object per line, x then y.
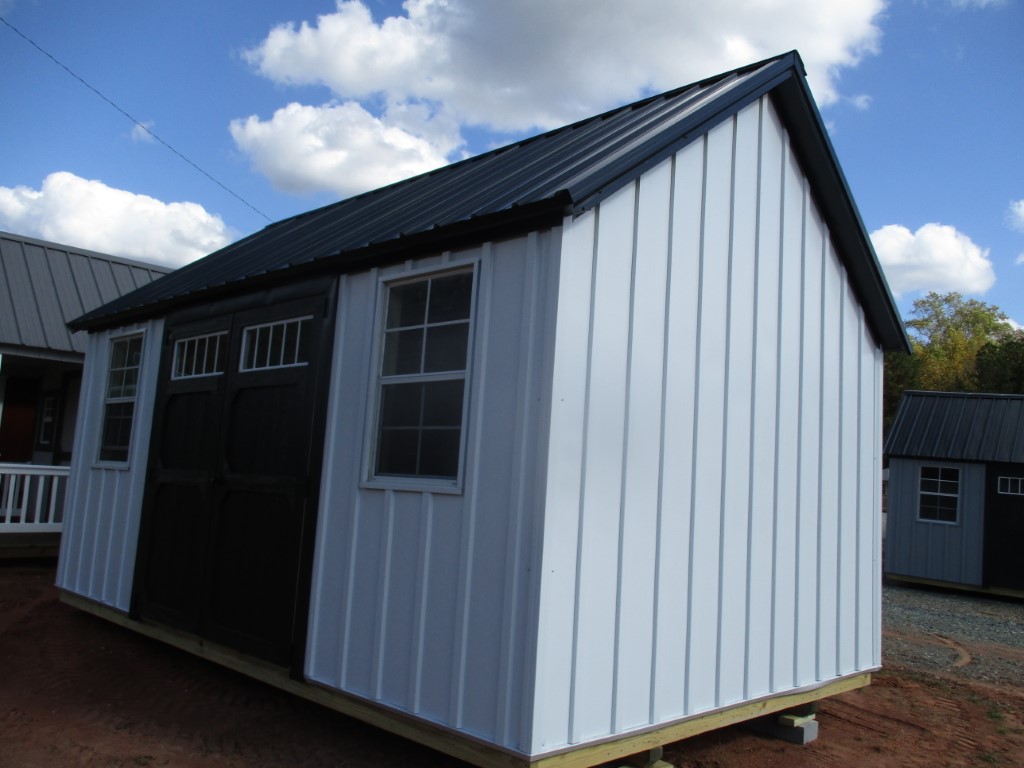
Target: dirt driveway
{"type": "Point", "coordinates": [78, 691]}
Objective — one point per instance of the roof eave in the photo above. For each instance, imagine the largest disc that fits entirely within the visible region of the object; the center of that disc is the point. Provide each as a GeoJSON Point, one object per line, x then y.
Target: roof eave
{"type": "Point", "coordinates": [507, 223]}
{"type": "Point", "coordinates": [811, 144]}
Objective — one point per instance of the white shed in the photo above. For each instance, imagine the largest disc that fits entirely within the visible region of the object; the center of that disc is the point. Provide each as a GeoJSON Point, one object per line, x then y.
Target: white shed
{"type": "Point", "coordinates": [572, 447]}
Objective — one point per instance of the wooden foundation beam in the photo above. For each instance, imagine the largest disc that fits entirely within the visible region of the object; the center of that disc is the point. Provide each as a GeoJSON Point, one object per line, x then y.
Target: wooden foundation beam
{"type": "Point", "coordinates": [460, 745]}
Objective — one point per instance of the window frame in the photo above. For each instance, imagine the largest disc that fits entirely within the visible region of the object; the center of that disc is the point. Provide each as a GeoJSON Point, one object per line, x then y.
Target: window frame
{"type": "Point", "coordinates": [257, 328]}
{"type": "Point", "coordinates": [371, 479]}
{"type": "Point", "coordinates": [126, 336]}
{"type": "Point", "coordinates": [921, 493]}
{"type": "Point", "coordinates": [222, 354]}
{"type": "Point", "coordinates": [1012, 481]}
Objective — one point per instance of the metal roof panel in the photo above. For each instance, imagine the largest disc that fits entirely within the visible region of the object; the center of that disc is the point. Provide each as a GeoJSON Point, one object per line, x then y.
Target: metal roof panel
{"type": "Point", "coordinates": [958, 426]}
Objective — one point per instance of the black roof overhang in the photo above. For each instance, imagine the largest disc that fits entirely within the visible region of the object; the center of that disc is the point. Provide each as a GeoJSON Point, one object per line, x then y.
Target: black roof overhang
{"type": "Point", "coordinates": [832, 195]}
{"type": "Point", "coordinates": [496, 226]}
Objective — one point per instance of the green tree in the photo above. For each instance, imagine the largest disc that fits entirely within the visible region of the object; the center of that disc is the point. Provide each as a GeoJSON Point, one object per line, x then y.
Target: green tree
{"type": "Point", "coordinates": [947, 331]}
{"type": "Point", "coordinates": [1000, 366]}
{"type": "Point", "coordinates": [948, 334]}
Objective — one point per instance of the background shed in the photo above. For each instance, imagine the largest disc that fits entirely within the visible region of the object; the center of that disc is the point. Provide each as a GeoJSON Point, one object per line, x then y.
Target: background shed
{"type": "Point", "coordinates": [956, 489]}
{"type": "Point", "coordinates": [633, 493]}
{"type": "Point", "coordinates": [43, 286]}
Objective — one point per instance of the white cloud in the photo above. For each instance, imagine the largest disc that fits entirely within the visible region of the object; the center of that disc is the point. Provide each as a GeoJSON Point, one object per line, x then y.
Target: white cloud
{"type": "Point", "coordinates": [339, 147]}
{"type": "Point", "coordinates": [534, 63]}
{"type": "Point", "coordinates": [527, 65]}
{"type": "Point", "coordinates": [1020, 259]}
{"type": "Point", "coordinates": [89, 214]}
{"type": "Point", "coordinates": [1016, 215]}
{"type": "Point", "coordinates": [935, 258]}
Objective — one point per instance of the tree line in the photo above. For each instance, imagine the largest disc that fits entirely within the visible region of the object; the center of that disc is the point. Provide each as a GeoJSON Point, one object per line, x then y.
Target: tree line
{"type": "Point", "coordinates": [959, 345]}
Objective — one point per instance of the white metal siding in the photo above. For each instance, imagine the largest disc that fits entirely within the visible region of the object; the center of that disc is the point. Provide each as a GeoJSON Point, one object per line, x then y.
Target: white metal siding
{"type": "Point", "coordinates": [711, 529]}
{"type": "Point", "coordinates": [421, 600]}
{"type": "Point", "coordinates": [104, 503]}
{"type": "Point", "coordinates": [928, 550]}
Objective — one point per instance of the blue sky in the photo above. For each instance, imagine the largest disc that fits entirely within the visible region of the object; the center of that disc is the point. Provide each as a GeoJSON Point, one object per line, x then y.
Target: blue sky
{"type": "Point", "coordinates": [294, 105]}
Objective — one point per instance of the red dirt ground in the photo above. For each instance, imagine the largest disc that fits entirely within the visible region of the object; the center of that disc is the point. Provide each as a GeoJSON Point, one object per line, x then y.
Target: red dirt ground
{"type": "Point", "coordinates": [78, 691]}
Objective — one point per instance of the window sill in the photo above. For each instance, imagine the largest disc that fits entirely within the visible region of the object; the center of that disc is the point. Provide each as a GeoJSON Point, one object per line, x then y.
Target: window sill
{"type": "Point", "coordinates": [413, 485]}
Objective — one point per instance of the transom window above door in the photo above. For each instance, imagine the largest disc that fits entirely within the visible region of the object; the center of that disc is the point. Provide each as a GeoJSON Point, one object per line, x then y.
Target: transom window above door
{"type": "Point", "coordinates": [200, 356]}
{"type": "Point", "coordinates": [284, 344]}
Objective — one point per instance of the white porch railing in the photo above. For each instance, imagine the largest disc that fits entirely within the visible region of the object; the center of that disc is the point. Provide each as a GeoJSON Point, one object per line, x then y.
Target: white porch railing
{"type": "Point", "coordinates": [32, 498]}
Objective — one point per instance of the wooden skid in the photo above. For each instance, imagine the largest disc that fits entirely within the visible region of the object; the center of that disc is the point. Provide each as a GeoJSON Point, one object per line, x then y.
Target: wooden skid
{"type": "Point", "coordinates": [456, 744]}
{"type": "Point", "coordinates": [977, 589]}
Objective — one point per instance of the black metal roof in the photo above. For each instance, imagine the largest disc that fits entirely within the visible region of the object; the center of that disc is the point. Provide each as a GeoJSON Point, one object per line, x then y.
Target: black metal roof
{"type": "Point", "coordinates": [532, 184]}
{"type": "Point", "coordinates": [43, 285]}
{"type": "Point", "coordinates": [958, 426]}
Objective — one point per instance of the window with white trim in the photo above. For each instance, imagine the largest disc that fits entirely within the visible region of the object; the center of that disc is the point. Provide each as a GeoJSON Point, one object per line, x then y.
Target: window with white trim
{"type": "Point", "coordinates": [282, 344]}
{"type": "Point", "coordinates": [119, 403]}
{"type": "Point", "coordinates": [939, 497]}
{"type": "Point", "coordinates": [1011, 486]}
{"type": "Point", "coordinates": [422, 382]}
{"type": "Point", "coordinates": [200, 356]}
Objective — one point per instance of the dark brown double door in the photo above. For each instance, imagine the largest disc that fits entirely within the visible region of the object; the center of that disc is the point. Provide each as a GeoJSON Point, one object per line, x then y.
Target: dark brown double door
{"type": "Point", "coordinates": [225, 542]}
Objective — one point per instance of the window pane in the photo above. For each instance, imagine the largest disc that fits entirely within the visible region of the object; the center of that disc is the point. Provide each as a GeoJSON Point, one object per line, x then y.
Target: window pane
{"type": "Point", "coordinates": [403, 351]}
{"type": "Point", "coordinates": [450, 297]}
{"type": "Point", "coordinates": [929, 486]}
{"type": "Point", "coordinates": [117, 431]}
{"type": "Point", "coordinates": [932, 473]}
{"type": "Point", "coordinates": [446, 348]}
{"type": "Point", "coordinates": [442, 403]}
{"type": "Point", "coordinates": [401, 405]}
{"type": "Point", "coordinates": [950, 474]}
{"type": "Point", "coordinates": [276, 351]}
{"type": "Point", "coordinates": [439, 453]}
{"type": "Point", "coordinates": [407, 304]}
{"type": "Point", "coordinates": [119, 354]}
{"type": "Point", "coordinates": [396, 452]}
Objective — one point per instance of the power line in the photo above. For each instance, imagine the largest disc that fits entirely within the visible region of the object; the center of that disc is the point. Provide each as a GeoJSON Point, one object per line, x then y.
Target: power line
{"type": "Point", "coordinates": [67, 69]}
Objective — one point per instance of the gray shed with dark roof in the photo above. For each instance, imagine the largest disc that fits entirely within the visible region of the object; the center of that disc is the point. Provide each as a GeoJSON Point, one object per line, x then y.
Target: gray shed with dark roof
{"type": "Point", "coordinates": [569, 447]}
{"type": "Point", "coordinates": [956, 490]}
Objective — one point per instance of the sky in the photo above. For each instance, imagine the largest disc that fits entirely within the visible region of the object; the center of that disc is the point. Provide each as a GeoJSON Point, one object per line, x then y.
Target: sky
{"type": "Point", "coordinates": [163, 130]}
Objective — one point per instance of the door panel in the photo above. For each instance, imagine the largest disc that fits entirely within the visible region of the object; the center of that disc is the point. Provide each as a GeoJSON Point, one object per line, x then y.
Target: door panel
{"type": "Point", "coordinates": [1004, 527]}
{"type": "Point", "coordinates": [224, 546]}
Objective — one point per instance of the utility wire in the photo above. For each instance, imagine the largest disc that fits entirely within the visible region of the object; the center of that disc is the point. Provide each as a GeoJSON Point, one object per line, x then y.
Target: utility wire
{"type": "Point", "coordinates": [67, 69]}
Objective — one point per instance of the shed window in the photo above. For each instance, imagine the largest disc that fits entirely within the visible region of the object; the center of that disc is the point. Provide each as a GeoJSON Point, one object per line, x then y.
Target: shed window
{"type": "Point", "coordinates": [1011, 486]}
{"type": "Point", "coordinates": [939, 494]}
{"type": "Point", "coordinates": [200, 356]}
{"type": "Point", "coordinates": [276, 345]}
{"type": "Point", "coordinates": [422, 382]}
{"type": "Point", "coordinates": [119, 406]}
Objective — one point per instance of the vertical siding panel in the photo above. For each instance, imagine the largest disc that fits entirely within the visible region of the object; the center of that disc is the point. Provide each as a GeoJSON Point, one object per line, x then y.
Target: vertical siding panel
{"type": "Point", "coordinates": [441, 608]}
{"type": "Point", "coordinates": [876, 510]}
{"type": "Point", "coordinates": [787, 435]}
{"type": "Point", "coordinates": [594, 662]}
{"type": "Point", "coordinates": [808, 504]}
{"type": "Point", "coordinates": [757, 656]}
{"type": "Point", "coordinates": [325, 617]}
{"type": "Point", "coordinates": [676, 481]}
{"type": "Point", "coordinates": [829, 458]}
{"type": "Point", "coordinates": [475, 466]}
{"type": "Point", "coordinates": [709, 444]}
{"type": "Point", "coordinates": [640, 497]}
{"type": "Point", "coordinates": [865, 505]}
{"type": "Point", "coordinates": [552, 696]}
{"type": "Point", "coordinates": [736, 456]}
{"type": "Point", "coordinates": [848, 471]}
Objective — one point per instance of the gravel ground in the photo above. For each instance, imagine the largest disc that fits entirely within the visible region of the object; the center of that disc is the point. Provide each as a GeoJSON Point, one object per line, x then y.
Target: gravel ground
{"type": "Point", "coordinates": [963, 635]}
